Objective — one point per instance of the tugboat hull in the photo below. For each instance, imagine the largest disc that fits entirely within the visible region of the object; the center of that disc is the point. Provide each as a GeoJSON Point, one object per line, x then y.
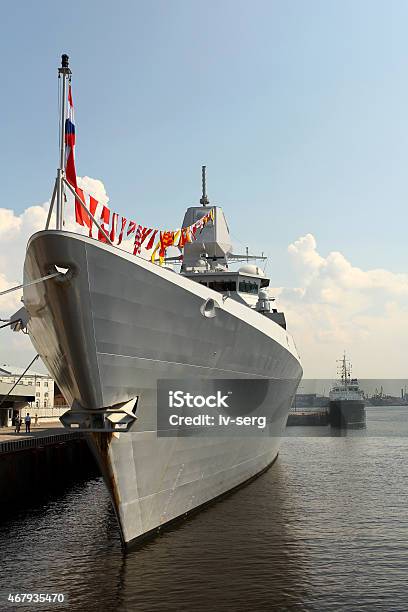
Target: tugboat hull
{"type": "Point", "coordinates": [347, 414]}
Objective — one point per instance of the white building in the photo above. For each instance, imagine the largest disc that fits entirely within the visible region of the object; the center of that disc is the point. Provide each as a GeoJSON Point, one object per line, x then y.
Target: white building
{"type": "Point", "coordinates": [43, 405]}
{"type": "Point", "coordinates": [16, 403]}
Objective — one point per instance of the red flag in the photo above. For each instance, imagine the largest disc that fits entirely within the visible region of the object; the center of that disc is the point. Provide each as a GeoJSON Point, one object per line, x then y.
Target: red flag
{"type": "Point", "coordinates": [141, 235]}
{"type": "Point", "coordinates": [166, 240]}
{"type": "Point", "coordinates": [105, 216]}
{"type": "Point", "coordinates": [145, 232]}
{"type": "Point", "coordinates": [137, 240]}
{"type": "Point", "coordinates": [151, 241]}
{"type": "Point", "coordinates": [92, 207]}
{"type": "Point", "coordinates": [114, 226]}
{"type": "Point", "coordinates": [131, 228]}
{"type": "Point", "coordinates": [122, 229]}
{"type": "Point", "coordinates": [185, 237]}
{"type": "Point", "coordinates": [81, 215]}
{"type": "Point", "coordinates": [70, 97]}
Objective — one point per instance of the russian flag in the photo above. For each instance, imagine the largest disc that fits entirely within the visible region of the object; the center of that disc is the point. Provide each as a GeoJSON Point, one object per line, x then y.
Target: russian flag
{"type": "Point", "coordinates": [70, 171]}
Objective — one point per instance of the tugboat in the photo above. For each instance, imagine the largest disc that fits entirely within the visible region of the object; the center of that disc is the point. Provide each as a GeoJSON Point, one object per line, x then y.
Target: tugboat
{"type": "Point", "coordinates": [347, 405]}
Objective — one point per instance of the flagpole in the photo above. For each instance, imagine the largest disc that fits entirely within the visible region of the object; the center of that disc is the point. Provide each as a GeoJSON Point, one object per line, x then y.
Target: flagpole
{"type": "Point", "coordinates": [54, 193]}
{"type": "Point", "coordinates": [65, 72]}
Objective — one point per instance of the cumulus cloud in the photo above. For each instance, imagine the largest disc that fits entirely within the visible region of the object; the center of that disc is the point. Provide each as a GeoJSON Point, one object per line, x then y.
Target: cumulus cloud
{"type": "Point", "coordinates": [9, 223]}
{"type": "Point", "coordinates": [334, 306]}
{"type": "Point", "coordinates": [14, 233]}
{"type": "Point", "coordinates": [338, 306]}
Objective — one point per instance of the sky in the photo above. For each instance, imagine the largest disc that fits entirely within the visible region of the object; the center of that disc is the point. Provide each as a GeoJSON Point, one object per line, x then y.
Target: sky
{"type": "Point", "coordinates": [299, 111]}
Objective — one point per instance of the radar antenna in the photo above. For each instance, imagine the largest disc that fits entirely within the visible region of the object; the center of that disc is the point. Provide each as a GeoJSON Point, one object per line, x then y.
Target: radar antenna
{"type": "Point", "coordinates": [204, 200]}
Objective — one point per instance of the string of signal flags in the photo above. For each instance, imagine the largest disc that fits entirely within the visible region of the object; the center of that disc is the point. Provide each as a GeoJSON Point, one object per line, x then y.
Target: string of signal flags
{"type": "Point", "coordinates": [111, 224]}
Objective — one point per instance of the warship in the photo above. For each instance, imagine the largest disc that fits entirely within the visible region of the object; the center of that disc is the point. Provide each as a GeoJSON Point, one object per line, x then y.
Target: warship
{"type": "Point", "coordinates": [109, 325]}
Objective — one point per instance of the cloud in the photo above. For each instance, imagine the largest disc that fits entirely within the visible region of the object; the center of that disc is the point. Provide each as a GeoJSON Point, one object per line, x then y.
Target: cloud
{"type": "Point", "coordinates": [14, 233]}
{"type": "Point", "coordinates": [16, 348]}
{"type": "Point", "coordinates": [94, 187]}
{"type": "Point", "coordinates": [338, 306]}
{"type": "Point", "coordinates": [9, 223]}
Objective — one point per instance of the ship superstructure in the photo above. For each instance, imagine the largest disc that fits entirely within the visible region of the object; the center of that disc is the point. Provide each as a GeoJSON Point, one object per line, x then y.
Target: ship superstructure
{"type": "Point", "coordinates": [208, 261]}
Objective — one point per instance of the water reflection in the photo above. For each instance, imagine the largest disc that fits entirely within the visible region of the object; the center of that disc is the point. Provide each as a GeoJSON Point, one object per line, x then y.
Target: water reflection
{"type": "Point", "coordinates": [242, 547]}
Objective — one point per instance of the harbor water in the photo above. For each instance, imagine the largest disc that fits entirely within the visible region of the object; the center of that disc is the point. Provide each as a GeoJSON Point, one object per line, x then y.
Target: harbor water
{"type": "Point", "coordinates": [326, 528]}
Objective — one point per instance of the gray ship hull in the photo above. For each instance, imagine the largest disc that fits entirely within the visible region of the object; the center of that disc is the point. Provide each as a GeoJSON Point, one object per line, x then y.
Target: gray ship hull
{"type": "Point", "coordinates": [111, 328]}
{"type": "Point", "coordinates": [347, 414]}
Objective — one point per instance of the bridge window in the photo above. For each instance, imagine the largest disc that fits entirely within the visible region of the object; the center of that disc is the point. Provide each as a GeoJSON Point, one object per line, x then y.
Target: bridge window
{"type": "Point", "coordinates": [247, 286]}
{"type": "Point", "coordinates": [222, 286]}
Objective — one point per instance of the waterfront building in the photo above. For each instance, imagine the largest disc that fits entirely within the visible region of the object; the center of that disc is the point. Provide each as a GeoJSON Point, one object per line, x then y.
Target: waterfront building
{"type": "Point", "coordinates": [14, 403]}
{"type": "Point", "coordinates": [43, 385]}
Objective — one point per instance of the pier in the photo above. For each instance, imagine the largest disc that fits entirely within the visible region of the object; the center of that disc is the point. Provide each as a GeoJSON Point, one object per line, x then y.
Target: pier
{"type": "Point", "coordinates": [39, 436]}
{"type": "Point", "coordinates": [32, 464]}
{"type": "Point", "coordinates": [308, 417]}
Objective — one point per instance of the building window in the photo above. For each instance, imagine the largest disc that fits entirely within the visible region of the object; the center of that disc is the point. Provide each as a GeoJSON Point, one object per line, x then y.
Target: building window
{"type": "Point", "coordinates": [45, 394]}
{"type": "Point", "coordinates": [45, 403]}
{"type": "Point", "coordinates": [37, 404]}
{"type": "Point", "coordinates": [38, 383]}
{"type": "Point", "coordinates": [38, 394]}
{"type": "Point", "coordinates": [46, 383]}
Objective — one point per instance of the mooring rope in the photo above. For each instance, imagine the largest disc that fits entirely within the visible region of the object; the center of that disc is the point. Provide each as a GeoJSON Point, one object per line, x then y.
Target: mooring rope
{"type": "Point", "coordinates": [34, 282]}
{"type": "Point", "coordinates": [10, 323]}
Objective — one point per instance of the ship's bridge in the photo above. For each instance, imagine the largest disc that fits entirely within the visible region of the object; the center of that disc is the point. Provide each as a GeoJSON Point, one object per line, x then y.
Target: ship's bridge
{"type": "Point", "coordinates": [244, 286]}
{"type": "Point", "coordinates": [244, 283]}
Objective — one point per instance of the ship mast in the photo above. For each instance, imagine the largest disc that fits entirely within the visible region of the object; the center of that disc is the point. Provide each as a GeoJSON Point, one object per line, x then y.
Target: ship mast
{"type": "Point", "coordinates": [64, 73]}
{"type": "Point", "coordinates": [344, 369]}
{"type": "Point", "coordinates": [204, 200]}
